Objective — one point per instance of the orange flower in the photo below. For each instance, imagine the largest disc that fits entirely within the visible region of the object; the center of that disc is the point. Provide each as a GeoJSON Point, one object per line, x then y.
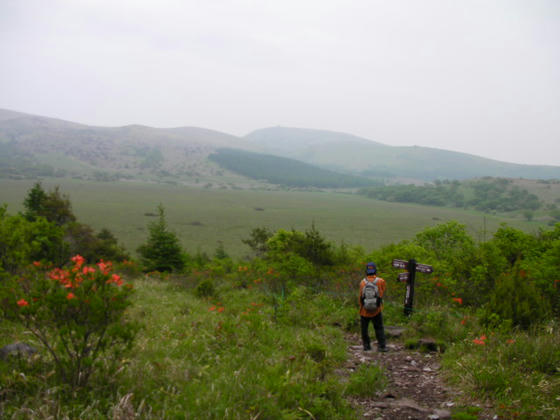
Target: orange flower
{"type": "Point", "coordinates": [212, 308]}
{"type": "Point", "coordinates": [221, 309]}
{"type": "Point", "coordinates": [70, 296]}
{"type": "Point", "coordinates": [37, 263]}
{"type": "Point", "coordinates": [87, 270]}
{"type": "Point", "coordinates": [511, 341]}
{"type": "Point", "coordinates": [22, 302]}
{"type": "Point", "coordinates": [458, 300]}
{"type": "Point", "coordinates": [479, 342]}
{"type": "Point", "coordinates": [483, 337]}
{"type": "Point", "coordinates": [78, 260]}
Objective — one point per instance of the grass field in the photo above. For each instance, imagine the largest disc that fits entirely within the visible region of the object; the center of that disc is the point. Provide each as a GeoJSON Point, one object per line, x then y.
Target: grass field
{"type": "Point", "coordinates": [204, 217]}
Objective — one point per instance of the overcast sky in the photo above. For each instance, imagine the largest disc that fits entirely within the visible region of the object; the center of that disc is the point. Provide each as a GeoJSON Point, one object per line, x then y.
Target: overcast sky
{"type": "Point", "coordinates": [476, 76]}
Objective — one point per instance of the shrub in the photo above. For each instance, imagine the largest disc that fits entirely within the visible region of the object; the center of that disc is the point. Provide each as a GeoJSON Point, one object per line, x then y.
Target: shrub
{"type": "Point", "coordinates": [205, 289]}
{"type": "Point", "coordinates": [516, 299]}
{"type": "Point", "coordinates": [77, 314]}
{"type": "Point", "coordinates": [162, 251]}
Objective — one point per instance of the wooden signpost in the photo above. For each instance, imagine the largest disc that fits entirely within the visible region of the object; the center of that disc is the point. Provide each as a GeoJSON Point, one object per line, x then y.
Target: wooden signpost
{"type": "Point", "coordinates": [409, 276]}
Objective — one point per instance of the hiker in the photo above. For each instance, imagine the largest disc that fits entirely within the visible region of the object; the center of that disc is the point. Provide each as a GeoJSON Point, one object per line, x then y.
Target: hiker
{"type": "Point", "coordinates": [372, 289]}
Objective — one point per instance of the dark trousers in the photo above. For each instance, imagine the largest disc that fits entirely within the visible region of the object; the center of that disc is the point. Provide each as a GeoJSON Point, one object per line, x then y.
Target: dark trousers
{"type": "Point", "coordinates": [377, 326]}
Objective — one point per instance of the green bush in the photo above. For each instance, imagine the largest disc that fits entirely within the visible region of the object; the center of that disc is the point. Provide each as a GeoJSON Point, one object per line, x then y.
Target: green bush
{"type": "Point", "coordinates": [162, 252]}
{"type": "Point", "coordinates": [516, 299]}
{"type": "Point", "coordinates": [205, 289]}
{"type": "Point", "coordinates": [77, 314]}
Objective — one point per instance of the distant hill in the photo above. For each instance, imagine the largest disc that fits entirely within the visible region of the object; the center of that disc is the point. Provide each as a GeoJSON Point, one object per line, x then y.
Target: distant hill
{"type": "Point", "coordinates": [351, 154]}
{"type": "Point", "coordinates": [133, 151]}
{"type": "Point", "coordinates": [32, 146]}
{"type": "Point", "coordinates": [285, 171]}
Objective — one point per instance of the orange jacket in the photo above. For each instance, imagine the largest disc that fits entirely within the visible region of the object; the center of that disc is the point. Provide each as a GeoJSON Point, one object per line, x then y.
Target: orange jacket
{"type": "Point", "coordinates": [381, 286]}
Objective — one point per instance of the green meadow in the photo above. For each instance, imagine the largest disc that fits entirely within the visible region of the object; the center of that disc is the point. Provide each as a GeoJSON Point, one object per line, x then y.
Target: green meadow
{"type": "Point", "coordinates": [202, 218]}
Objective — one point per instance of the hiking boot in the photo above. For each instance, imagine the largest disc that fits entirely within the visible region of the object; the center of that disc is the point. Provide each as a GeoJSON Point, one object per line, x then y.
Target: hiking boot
{"type": "Point", "coordinates": [382, 349]}
{"type": "Point", "coordinates": [367, 348]}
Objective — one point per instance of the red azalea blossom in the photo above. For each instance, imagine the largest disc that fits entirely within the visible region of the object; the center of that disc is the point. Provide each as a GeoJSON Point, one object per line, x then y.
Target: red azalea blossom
{"type": "Point", "coordinates": [87, 270]}
{"type": "Point", "coordinates": [70, 296]}
{"type": "Point", "coordinates": [37, 263]}
{"type": "Point", "coordinates": [458, 300]}
{"type": "Point", "coordinates": [78, 260]}
{"type": "Point", "coordinates": [22, 302]}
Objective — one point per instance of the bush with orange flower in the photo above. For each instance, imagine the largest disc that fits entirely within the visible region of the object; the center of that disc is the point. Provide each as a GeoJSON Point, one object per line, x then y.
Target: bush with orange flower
{"type": "Point", "coordinates": [78, 315]}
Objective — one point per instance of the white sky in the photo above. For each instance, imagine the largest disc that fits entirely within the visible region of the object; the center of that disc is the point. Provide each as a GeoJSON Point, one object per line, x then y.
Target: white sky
{"type": "Point", "coordinates": [477, 76]}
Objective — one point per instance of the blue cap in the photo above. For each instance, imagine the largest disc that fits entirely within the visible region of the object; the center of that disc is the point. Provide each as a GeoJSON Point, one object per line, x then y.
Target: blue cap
{"type": "Point", "coordinates": [371, 269]}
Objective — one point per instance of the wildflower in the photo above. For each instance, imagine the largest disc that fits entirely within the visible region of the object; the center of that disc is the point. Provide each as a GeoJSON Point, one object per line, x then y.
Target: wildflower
{"type": "Point", "coordinates": [511, 341]}
{"type": "Point", "coordinates": [78, 260]}
{"type": "Point", "coordinates": [87, 270]}
{"type": "Point", "coordinates": [479, 342]}
{"type": "Point", "coordinates": [221, 309]}
{"type": "Point", "coordinates": [37, 263]}
{"type": "Point", "coordinates": [458, 300]}
{"type": "Point", "coordinates": [22, 302]}
{"type": "Point", "coordinates": [115, 278]}
{"type": "Point", "coordinates": [212, 308]}
{"type": "Point", "coordinates": [483, 337]}
{"type": "Point", "coordinates": [70, 296]}
{"type": "Point", "coordinates": [464, 321]}
{"type": "Point", "coordinates": [438, 284]}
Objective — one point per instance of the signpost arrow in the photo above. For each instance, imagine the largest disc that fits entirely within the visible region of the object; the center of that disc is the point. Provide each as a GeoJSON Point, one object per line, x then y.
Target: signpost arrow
{"type": "Point", "coordinates": [400, 264]}
{"type": "Point", "coordinates": [423, 268]}
{"type": "Point", "coordinates": [403, 277]}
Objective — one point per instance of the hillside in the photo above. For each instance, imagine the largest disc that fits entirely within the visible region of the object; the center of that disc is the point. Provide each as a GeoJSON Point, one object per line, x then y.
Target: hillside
{"type": "Point", "coordinates": [133, 151]}
{"type": "Point", "coordinates": [348, 153]}
{"type": "Point", "coordinates": [284, 171]}
{"type": "Point", "coordinates": [32, 146]}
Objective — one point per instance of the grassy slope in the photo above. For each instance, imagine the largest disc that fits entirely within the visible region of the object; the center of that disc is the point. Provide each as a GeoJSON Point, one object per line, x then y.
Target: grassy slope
{"type": "Point", "coordinates": [229, 216]}
{"type": "Point", "coordinates": [350, 153]}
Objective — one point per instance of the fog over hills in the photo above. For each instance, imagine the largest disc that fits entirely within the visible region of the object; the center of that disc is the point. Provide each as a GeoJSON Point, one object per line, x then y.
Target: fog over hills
{"type": "Point", "coordinates": [34, 145]}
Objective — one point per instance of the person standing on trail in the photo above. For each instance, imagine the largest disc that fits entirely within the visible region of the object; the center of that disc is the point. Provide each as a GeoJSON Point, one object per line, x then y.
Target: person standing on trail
{"type": "Point", "coordinates": [372, 289]}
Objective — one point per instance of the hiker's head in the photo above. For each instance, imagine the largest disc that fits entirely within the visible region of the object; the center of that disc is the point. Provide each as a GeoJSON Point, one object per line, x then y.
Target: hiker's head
{"type": "Point", "coordinates": [371, 269]}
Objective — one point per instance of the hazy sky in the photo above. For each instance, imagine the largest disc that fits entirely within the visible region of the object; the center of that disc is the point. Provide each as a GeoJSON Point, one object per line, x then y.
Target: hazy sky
{"type": "Point", "coordinates": [477, 76]}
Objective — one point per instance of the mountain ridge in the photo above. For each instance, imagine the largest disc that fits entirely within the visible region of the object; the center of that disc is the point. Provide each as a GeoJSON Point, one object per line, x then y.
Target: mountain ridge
{"type": "Point", "coordinates": [182, 152]}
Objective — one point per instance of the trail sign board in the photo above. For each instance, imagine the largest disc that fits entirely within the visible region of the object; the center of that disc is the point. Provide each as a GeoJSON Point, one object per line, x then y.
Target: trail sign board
{"type": "Point", "coordinates": [400, 264]}
{"type": "Point", "coordinates": [424, 268]}
{"type": "Point", "coordinates": [409, 276]}
{"type": "Point", "coordinates": [403, 276]}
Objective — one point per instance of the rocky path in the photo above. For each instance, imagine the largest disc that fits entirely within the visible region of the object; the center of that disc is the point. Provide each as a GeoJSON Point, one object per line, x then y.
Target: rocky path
{"type": "Point", "coordinates": [415, 389]}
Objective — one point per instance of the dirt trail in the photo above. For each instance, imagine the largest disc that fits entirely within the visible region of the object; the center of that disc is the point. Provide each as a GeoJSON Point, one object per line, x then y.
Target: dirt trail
{"type": "Point", "coordinates": [415, 389]}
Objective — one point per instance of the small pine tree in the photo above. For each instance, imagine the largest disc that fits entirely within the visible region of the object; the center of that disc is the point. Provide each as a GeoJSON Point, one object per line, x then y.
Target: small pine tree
{"type": "Point", "coordinates": [162, 251]}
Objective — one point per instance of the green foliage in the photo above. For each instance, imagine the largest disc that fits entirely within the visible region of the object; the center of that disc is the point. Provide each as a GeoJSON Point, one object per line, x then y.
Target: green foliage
{"type": "Point", "coordinates": [53, 206]}
{"type": "Point", "coordinates": [488, 194]}
{"type": "Point", "coordinates": [516, 299]}
{"type": "Point", "coordinates": [284, 171]}
{"type": "Point", "coordinates": [258, 240]}
{"type": "Point", "coordinates": [517, 371]}
{"type": "Point", "coordinates": [205, 289]}
{"type": "Point", "coordinates": [76, 314]}
{"type": "Point", "coordinates": [162, 252]}
{"type": "Point", "coordinates": [23, 241]}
